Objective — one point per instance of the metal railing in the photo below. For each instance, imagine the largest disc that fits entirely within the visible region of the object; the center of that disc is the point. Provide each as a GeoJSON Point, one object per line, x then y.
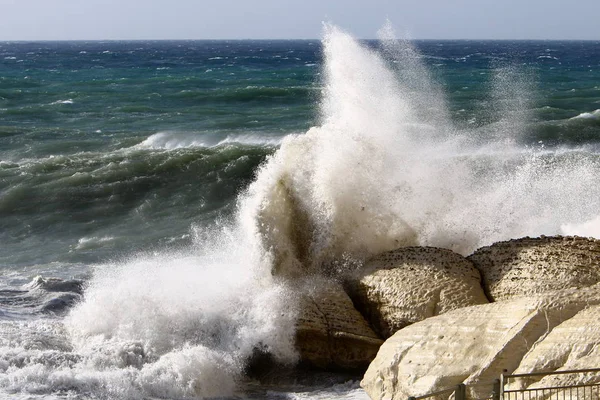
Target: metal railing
{"type": "Point", "coordinates": [532, 386]}
{"type": "Point", "coordinates": [458, 391]}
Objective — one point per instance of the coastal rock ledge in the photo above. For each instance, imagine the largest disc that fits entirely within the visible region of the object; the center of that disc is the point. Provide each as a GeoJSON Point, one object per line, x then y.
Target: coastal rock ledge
{"type": "Point", "coordinates": [475, 344]}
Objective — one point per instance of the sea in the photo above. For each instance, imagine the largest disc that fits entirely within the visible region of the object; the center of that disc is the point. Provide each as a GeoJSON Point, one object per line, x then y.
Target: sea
{"type": "Point", "coordinates": [163, 204]}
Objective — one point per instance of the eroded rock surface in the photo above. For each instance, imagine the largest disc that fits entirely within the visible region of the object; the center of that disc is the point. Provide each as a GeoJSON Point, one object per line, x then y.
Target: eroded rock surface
{"type": "Point", "coordinates": [331, 333]}
{"type": "Point", "coordinates": [526, 266]}
{"type": "Point", "coordinates": [473, 344]}
{"type": "Point", "coordinates": [574, 344]}
{"type": "Point", "coordinates": [404, 286]}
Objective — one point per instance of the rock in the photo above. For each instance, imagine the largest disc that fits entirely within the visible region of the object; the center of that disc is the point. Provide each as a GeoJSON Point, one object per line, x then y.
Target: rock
{"type": "Point", "coordinates": [526, 266]}
{"type": "Point", "coordinates": [404, 286]}
{"type": "Point", "coordinates": [60, 303]}
{"type": "Point", "coordinates": [330, 333]}
{"type": "Point", "coordinates": [473, 344]}
{"type": "Point", "coordinates": [574, 344]}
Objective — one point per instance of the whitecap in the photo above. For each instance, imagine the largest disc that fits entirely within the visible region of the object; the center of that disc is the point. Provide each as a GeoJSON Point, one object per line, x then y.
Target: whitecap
{"type": "Point", "coordinates": [588, 115]}
{"type": "Point", "coordinates": [86, 243]}
{"type": "Point", "coordinates": [68, 101]}
{"type": "Point", "coordinates": [171, 141]}
{"type": "Point", "coordinates": [180, 140]}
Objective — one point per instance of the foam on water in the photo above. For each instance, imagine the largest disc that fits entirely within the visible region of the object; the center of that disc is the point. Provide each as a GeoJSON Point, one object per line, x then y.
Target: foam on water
{"type": "Point", "coordinates": [92, 242]}
{"type": "Point", "coordinates": [386, 168]}
{"type": "Point", "coordinates": [179, 140]}
{"type": "Point", "coordinates": [588, 115]}
{"type": "Point", "coordinates": [170, 325]}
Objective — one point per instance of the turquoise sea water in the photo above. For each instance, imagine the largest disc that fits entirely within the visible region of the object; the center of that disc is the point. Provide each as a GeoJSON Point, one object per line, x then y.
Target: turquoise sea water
{"type": "Point", "coordinates": [113, 151]}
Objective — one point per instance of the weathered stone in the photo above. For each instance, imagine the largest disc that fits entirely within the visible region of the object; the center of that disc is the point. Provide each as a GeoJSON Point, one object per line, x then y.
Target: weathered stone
{"type": "Point", "coordinates": [574, 344]}
{"type": "Point", "coordinates": [330, 333]}
{"type": "Point", "coordinates": [473, 344]}
{"type": "Point", "coordinates": [527, 266]}
{"type": "Point", "coordinates": [404, 286]}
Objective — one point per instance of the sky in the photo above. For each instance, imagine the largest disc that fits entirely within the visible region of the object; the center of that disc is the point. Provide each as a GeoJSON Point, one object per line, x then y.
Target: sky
{"type": "Point", "coordinates": [296, 19]}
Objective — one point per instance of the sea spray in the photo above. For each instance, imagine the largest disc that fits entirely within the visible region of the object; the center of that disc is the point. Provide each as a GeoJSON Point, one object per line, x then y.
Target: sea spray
{"type": "Point", "coordinates": [417, 82]}
{"type": "Point", "coordinates": [389, 168]}
{"type": "Point", "coordinates": [182, 324]}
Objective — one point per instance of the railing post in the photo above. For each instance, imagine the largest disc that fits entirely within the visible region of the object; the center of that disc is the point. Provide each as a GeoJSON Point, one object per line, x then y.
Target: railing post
{"type": "Point", "coordinates": [502, 383]}
{"type": "Point", "coordinates": [497, 389]}
{"type": "Point", "coordinates": [461, 392]}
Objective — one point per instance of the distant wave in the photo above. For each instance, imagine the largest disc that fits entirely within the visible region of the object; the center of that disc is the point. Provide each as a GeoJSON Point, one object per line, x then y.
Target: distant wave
{"type": "Point", "coordinates": [179, 140]}
{"type": "Point", "coordinates": [112, 187]}
{"type": "Point", "coordinates": [252, 93]}
{"type": "Point", "coordinates": [589, 115]}
{"type": "Point", "coordinates": [68, 101]}
{"type": "Point", "coordinates": [86, 243]}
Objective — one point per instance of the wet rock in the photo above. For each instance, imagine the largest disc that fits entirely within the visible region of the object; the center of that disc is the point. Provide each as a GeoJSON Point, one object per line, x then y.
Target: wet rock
{"type": "Point", "coordinates": [331, 333]}
{"type": "Point", "coordinates": [60, 303]}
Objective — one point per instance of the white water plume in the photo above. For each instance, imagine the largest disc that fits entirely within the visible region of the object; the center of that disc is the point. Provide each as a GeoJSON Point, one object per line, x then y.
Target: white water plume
{"type": "Point", "coordinates": [388, 168]}
{"type": "Point", "coordinates": [180, 324]}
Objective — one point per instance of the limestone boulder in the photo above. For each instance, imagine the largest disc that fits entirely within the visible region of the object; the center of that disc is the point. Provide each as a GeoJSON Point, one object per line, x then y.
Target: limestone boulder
{"type": "Point", "coordinates": [572, 345]}
{"type": "Point", "coordinates": [404, 286]}
{"type": "Point", "coordinates": [526, 266]}
{"type": "Point", "coordinates": [470, 345]}
{"type": "Point", "coordinates": [331, 333]}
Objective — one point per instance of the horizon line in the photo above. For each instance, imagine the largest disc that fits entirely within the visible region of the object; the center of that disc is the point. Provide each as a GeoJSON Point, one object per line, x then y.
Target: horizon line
{"type": "Point", "coordinates": [288, 39]}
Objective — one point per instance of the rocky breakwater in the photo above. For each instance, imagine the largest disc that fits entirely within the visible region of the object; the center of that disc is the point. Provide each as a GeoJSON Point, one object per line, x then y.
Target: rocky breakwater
{"type": "Point", "coordinates": [544, 321]}
{"type": "Point", "coordinates": [341, 327]}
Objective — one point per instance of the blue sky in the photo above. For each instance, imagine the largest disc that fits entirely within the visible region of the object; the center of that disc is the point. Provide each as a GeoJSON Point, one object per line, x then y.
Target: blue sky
{"type": "Point", "coordinates": [281, 19]}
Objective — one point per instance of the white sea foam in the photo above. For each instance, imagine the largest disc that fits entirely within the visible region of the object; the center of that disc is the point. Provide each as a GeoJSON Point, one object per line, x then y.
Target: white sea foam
{"type": "Point", "coordinates": [588, 115]}
{"type": "Point", "coordinates": [86, 243]}
{"type": "Point", "coordinates": [249, 139]}
{"type": "Point", "coordinates": [180, 140]}
{"type": "Point", "coordinates": [68, 101]}
{"type": "Point", "coordinates": [168, 325]}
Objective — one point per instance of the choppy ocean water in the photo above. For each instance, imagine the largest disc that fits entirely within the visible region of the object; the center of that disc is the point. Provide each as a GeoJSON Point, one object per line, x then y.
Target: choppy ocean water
{"type": "Point", "coordinates": [155, 178]}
